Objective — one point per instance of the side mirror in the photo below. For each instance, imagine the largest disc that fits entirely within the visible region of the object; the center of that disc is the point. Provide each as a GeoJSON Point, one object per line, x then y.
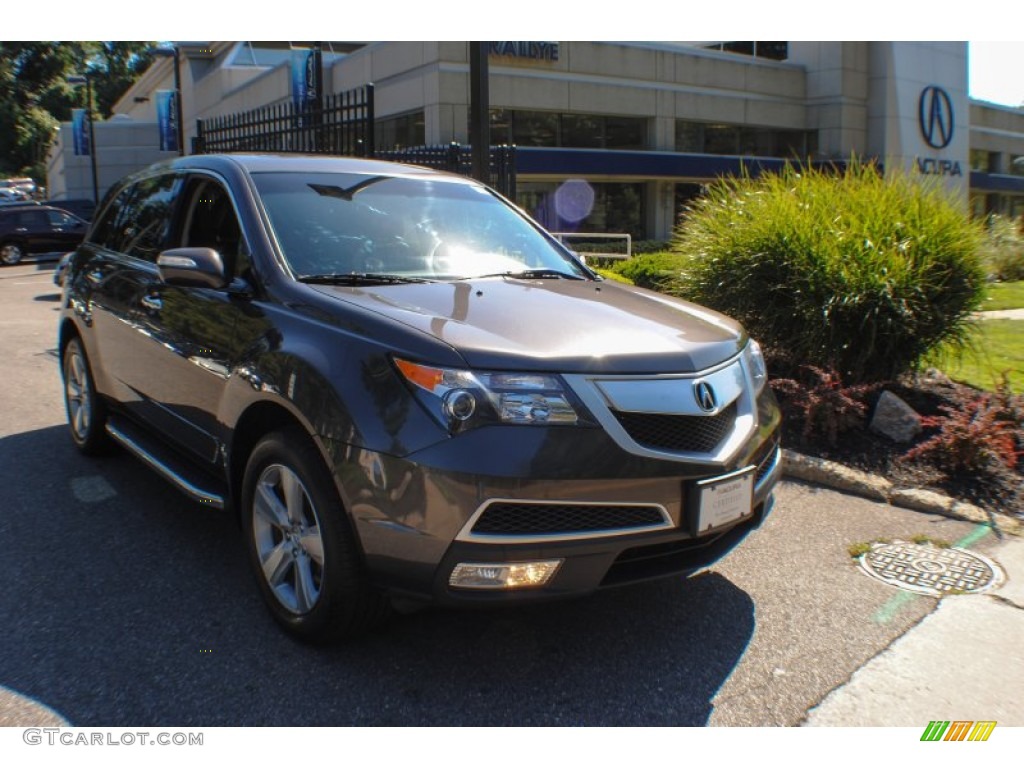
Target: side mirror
{"type": "Point", "coordinates": [192, 268]}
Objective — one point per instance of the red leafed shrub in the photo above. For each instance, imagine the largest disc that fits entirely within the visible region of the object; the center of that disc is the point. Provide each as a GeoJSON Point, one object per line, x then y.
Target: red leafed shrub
{"type": "Point", "coordinates": [970, 437]}
{"type": "Point", "coordinates": [822, 404]}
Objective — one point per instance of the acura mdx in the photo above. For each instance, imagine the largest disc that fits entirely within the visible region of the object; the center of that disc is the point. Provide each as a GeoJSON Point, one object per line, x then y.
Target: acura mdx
{"type": "Point", "coordinates": [403, 386]}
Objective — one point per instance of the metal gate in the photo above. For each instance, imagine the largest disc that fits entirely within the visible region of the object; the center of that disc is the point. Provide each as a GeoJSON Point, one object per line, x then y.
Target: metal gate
{"type": "Point", "coordinates": [343, 125]}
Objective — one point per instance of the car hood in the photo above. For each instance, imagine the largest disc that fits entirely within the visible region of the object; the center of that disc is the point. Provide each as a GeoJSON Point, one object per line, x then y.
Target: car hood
{"type": "Point", "coordinates": [568, 326]}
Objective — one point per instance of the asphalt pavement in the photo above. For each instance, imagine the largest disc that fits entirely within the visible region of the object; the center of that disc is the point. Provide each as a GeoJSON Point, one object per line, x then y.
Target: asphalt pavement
{"type": "Point", "coordinates": [125, 604]}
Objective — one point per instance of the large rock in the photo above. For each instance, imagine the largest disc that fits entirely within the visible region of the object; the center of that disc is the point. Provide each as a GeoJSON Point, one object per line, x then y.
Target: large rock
{"type": "Point", "coordinates": [894, 419]}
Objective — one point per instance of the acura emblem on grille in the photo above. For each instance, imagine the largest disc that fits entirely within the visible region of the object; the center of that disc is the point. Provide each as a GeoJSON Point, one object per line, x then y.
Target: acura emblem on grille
{"type": "Point", "coordinates": [705, 396]}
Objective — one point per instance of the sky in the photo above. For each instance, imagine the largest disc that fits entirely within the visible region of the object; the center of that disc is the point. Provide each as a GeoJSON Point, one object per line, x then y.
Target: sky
{"type": "Point", "coordinates": [996, 72]}
{"type": "Point", "coordinates": [996, 68]}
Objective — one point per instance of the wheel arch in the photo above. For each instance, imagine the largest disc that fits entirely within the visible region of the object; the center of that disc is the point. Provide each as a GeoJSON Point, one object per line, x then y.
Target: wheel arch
{"type": "Point", "coordinates": [256, 421]}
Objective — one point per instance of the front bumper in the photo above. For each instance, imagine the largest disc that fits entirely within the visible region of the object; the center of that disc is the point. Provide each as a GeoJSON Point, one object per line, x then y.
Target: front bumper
{"type": "Point", "coordinates": [416, 517]}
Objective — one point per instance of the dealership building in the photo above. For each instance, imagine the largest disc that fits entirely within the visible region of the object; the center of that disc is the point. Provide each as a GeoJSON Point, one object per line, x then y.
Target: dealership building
{"type": "Point", "coordinates": [644, 125]}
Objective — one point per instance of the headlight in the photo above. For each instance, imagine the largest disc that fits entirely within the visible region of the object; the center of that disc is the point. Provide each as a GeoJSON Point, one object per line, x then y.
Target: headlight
{"type": "Point", "coordinates": [459, 398]}
{"type": "Point", "coordinates": [754, 360]}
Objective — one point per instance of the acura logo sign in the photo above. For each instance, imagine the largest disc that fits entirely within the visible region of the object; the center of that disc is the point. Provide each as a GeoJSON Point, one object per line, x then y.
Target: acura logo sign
{"type": "Point", "coordinates": [935, 114]}
{"type": "Point", "coordinates": [705, 396]}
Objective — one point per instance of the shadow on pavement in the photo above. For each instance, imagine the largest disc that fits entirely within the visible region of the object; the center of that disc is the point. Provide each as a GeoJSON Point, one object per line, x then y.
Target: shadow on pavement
{"type": "Point", "coordinates": [125, 604]}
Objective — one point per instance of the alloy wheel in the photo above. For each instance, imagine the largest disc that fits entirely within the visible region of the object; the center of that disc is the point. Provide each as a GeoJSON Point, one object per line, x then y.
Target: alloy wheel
{"type": "Point", "coordinates": [286, 532]}
{"type": "Point", "coordinates": [77, 391]}
{"type": "Point", "coordinates": [11, 254]}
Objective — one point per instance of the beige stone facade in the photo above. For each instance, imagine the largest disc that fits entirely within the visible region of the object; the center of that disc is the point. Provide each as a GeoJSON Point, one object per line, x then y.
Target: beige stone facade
{"type": "Point", "coordinates": [833, 100]}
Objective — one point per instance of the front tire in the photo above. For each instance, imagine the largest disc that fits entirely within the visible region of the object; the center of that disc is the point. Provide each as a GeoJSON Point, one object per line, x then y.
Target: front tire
{"type": "Point", "coordinates": [11, 254]}
{"type": "Point", "coordinates": [87, 415]}
{"type": "Point", "coordinates": [301, 545]}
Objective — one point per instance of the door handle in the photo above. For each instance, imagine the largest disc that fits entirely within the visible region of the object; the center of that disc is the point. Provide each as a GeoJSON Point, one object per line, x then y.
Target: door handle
{"type": "Point", "coordinates": [152, 303]}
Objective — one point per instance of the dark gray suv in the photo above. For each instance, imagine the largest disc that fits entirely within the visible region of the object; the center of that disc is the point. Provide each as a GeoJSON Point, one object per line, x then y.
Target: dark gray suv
{"type": "Point", "coordinates": [404, 386]}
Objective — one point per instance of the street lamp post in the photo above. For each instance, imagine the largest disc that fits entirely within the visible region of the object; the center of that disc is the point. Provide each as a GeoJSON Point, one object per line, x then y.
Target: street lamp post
{"type": "Point", "coordinates": [78, 80]}
{"type": "Point", "coordinates": [175, 52]}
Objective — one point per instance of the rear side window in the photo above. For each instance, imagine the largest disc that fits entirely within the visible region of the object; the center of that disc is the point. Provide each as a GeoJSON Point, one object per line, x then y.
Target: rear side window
{"type": "Point", "coordinates": [147, 218]}
{"type": "Point", "coordinates": [106, 233]}
{"type": "Point", "coordinates": [138, 219]}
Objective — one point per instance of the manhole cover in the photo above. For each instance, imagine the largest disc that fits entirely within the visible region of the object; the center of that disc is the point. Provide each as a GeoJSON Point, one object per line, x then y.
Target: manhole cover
{"type": "Point", "coordinates": [930, 570]}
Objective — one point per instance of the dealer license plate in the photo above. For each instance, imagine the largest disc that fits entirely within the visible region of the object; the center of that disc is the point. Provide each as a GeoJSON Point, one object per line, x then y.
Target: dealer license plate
{"type": "Point", "coordinates": [724, 500]}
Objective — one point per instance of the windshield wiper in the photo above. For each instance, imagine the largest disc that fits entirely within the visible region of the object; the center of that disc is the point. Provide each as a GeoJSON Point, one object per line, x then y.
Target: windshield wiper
{"type": "Point", "coordinates": [531, 274]}
{"type": "Point", "coordinates": [360, 278]}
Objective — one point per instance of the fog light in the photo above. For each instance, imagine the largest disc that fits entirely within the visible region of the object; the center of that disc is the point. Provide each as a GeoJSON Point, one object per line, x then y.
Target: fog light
{"type": "Point", "coordinates": [503, 575]}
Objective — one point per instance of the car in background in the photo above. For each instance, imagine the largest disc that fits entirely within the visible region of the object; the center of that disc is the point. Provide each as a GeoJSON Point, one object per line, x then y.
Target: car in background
{"type": "Point", "coordinates": [37, 230]}
{"type": "Point", "coordinates": [81, 207]}
{"type": "Point", "coordinates": [23, 187]}
{"type": "Point", "coordinates": [403, 386]}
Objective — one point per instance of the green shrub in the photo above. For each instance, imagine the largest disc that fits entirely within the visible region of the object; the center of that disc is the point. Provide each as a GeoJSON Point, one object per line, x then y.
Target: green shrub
{"type": "Point", "coordinates": [609, 274]}
{"type": "Point", "coordinates": [649, 246]}
{"type": "Point", "coordinates": [850, 270]}
{"type": "Point", "coordinates": [652, 270]}
{"type": "Point", "coordinates": [1003, 249]}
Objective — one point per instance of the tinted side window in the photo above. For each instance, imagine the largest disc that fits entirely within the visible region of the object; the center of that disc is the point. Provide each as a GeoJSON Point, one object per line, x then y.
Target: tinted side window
{"type": "Point", "coordinates": [147, 219]}
{"type": "Point", "coordinates": [211, 222]}
{"type": "Point", "coordinates": [106, 232]}
{"type": "Point", "coordinates": [58, 219]}
{"type": "Point", "coordinates": [33, 221]}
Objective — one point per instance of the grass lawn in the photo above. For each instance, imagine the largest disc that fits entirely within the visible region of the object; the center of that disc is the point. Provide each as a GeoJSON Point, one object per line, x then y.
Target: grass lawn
{"type": "Point", "coordinates": [1004, 296]}
{"type": "Point", "coordinates": [998, 345]}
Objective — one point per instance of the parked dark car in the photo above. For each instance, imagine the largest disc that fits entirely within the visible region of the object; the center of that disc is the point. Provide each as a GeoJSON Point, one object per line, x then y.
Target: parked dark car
{"type": "Point", "coordinates": [403, 386]}
{"type": "Point", "coordinates": [83, 208]}
{"type": "Point", "coordinates": [36, 230]}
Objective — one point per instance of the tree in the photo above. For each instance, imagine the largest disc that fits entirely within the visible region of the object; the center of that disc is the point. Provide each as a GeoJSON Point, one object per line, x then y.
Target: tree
{"type": "Point", "coordinates": [35, 96]}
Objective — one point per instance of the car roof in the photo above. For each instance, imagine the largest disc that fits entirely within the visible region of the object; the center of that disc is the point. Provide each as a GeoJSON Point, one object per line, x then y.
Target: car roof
{"type": "Point", "coordinates": [304, 163]}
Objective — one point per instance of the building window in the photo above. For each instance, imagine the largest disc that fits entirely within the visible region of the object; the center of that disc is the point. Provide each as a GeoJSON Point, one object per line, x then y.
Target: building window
{"type": "Point", "coordinates": [724, 139]}
{"type": "Point", "coordinates": [616, 208]}
{"type": "Point", "coordinates": [980, 161]}
{"type": "Point", "coordinates": [776, 51]}
{"type": "Point", "coordinates": [527, 128]}
{"type": "Point", "coordinates": [400, 132]}
{"type": "Point", "coordinates": [1017, 165]}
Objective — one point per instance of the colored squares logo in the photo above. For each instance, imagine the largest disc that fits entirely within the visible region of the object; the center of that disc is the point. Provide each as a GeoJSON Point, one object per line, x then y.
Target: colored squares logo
{"type": "Point", "coordinates": [958, 730]}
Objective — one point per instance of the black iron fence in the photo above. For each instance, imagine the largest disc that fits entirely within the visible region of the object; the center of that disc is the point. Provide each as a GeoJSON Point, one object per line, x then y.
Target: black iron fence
{"type": "Point", "coordinates": [343, 125]}
{"type": "Point", "coordinates": [457, 158]}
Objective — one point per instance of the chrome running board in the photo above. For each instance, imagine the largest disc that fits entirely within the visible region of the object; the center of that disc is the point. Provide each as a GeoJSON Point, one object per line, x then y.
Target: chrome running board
{"type": "Point", "coordinates": [174, 475]}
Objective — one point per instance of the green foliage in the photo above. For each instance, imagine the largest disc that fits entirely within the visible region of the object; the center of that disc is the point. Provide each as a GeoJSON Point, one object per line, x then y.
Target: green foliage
{"type": "Point", "coordinates": [1003, 249]}
{"type": "Point", "coordinates": [847, 270]}
{"type": "Point", "coordinates": [652, 270]}
{"type": "Point", "coordinates": [649, 246]}
{"type": "Point", "coordinates": [608, 274]}
{"type": "Point", "coordinates": [35, 95]}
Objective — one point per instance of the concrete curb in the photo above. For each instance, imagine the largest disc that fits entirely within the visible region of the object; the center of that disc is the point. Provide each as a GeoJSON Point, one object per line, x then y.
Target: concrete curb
{"type": "Point", "coordinates": [833, 475]}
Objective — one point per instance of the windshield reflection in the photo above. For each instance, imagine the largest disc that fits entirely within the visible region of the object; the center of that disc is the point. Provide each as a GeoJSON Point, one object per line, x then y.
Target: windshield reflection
{"type": "Point", "coordinates": [369, 225]}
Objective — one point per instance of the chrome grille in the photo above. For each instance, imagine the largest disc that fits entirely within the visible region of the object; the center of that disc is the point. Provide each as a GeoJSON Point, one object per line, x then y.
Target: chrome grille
{"type": "Point", "coordinates": [671, 432]}
{"type": "Point", "coordinates": [766, 459]}
{"type": "Point", "coordinates": [532, 519]}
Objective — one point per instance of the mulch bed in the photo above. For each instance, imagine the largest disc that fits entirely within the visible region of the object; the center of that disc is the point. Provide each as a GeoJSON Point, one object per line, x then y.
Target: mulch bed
{"type": "Point", "coordinates": [996, 488]}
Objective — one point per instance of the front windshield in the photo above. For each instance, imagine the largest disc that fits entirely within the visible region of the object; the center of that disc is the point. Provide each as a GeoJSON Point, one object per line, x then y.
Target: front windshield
{"type": "Point", "coordinates": [361, 224]}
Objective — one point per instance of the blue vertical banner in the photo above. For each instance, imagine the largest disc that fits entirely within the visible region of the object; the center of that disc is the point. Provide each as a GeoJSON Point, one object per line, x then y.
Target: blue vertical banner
{"type": "Point", "coordinates": [167, 120]}
{"type": "Point", "coordinates": [304, 82]}
{"type": "Point", "coordinates": [80, 131]}
{"type": "Point", "coordinates": [299, 80]}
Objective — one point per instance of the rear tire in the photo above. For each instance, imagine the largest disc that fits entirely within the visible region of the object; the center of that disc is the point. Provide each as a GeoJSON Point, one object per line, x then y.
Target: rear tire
{"type": "Point", "coordinates": [86, 412]}
{"type": "Point", "coordinates": [301, 546]}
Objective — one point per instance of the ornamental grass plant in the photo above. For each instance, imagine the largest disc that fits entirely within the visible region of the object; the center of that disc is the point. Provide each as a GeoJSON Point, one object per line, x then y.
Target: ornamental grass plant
{"type": "Point", "coordinates": [844, 270]}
